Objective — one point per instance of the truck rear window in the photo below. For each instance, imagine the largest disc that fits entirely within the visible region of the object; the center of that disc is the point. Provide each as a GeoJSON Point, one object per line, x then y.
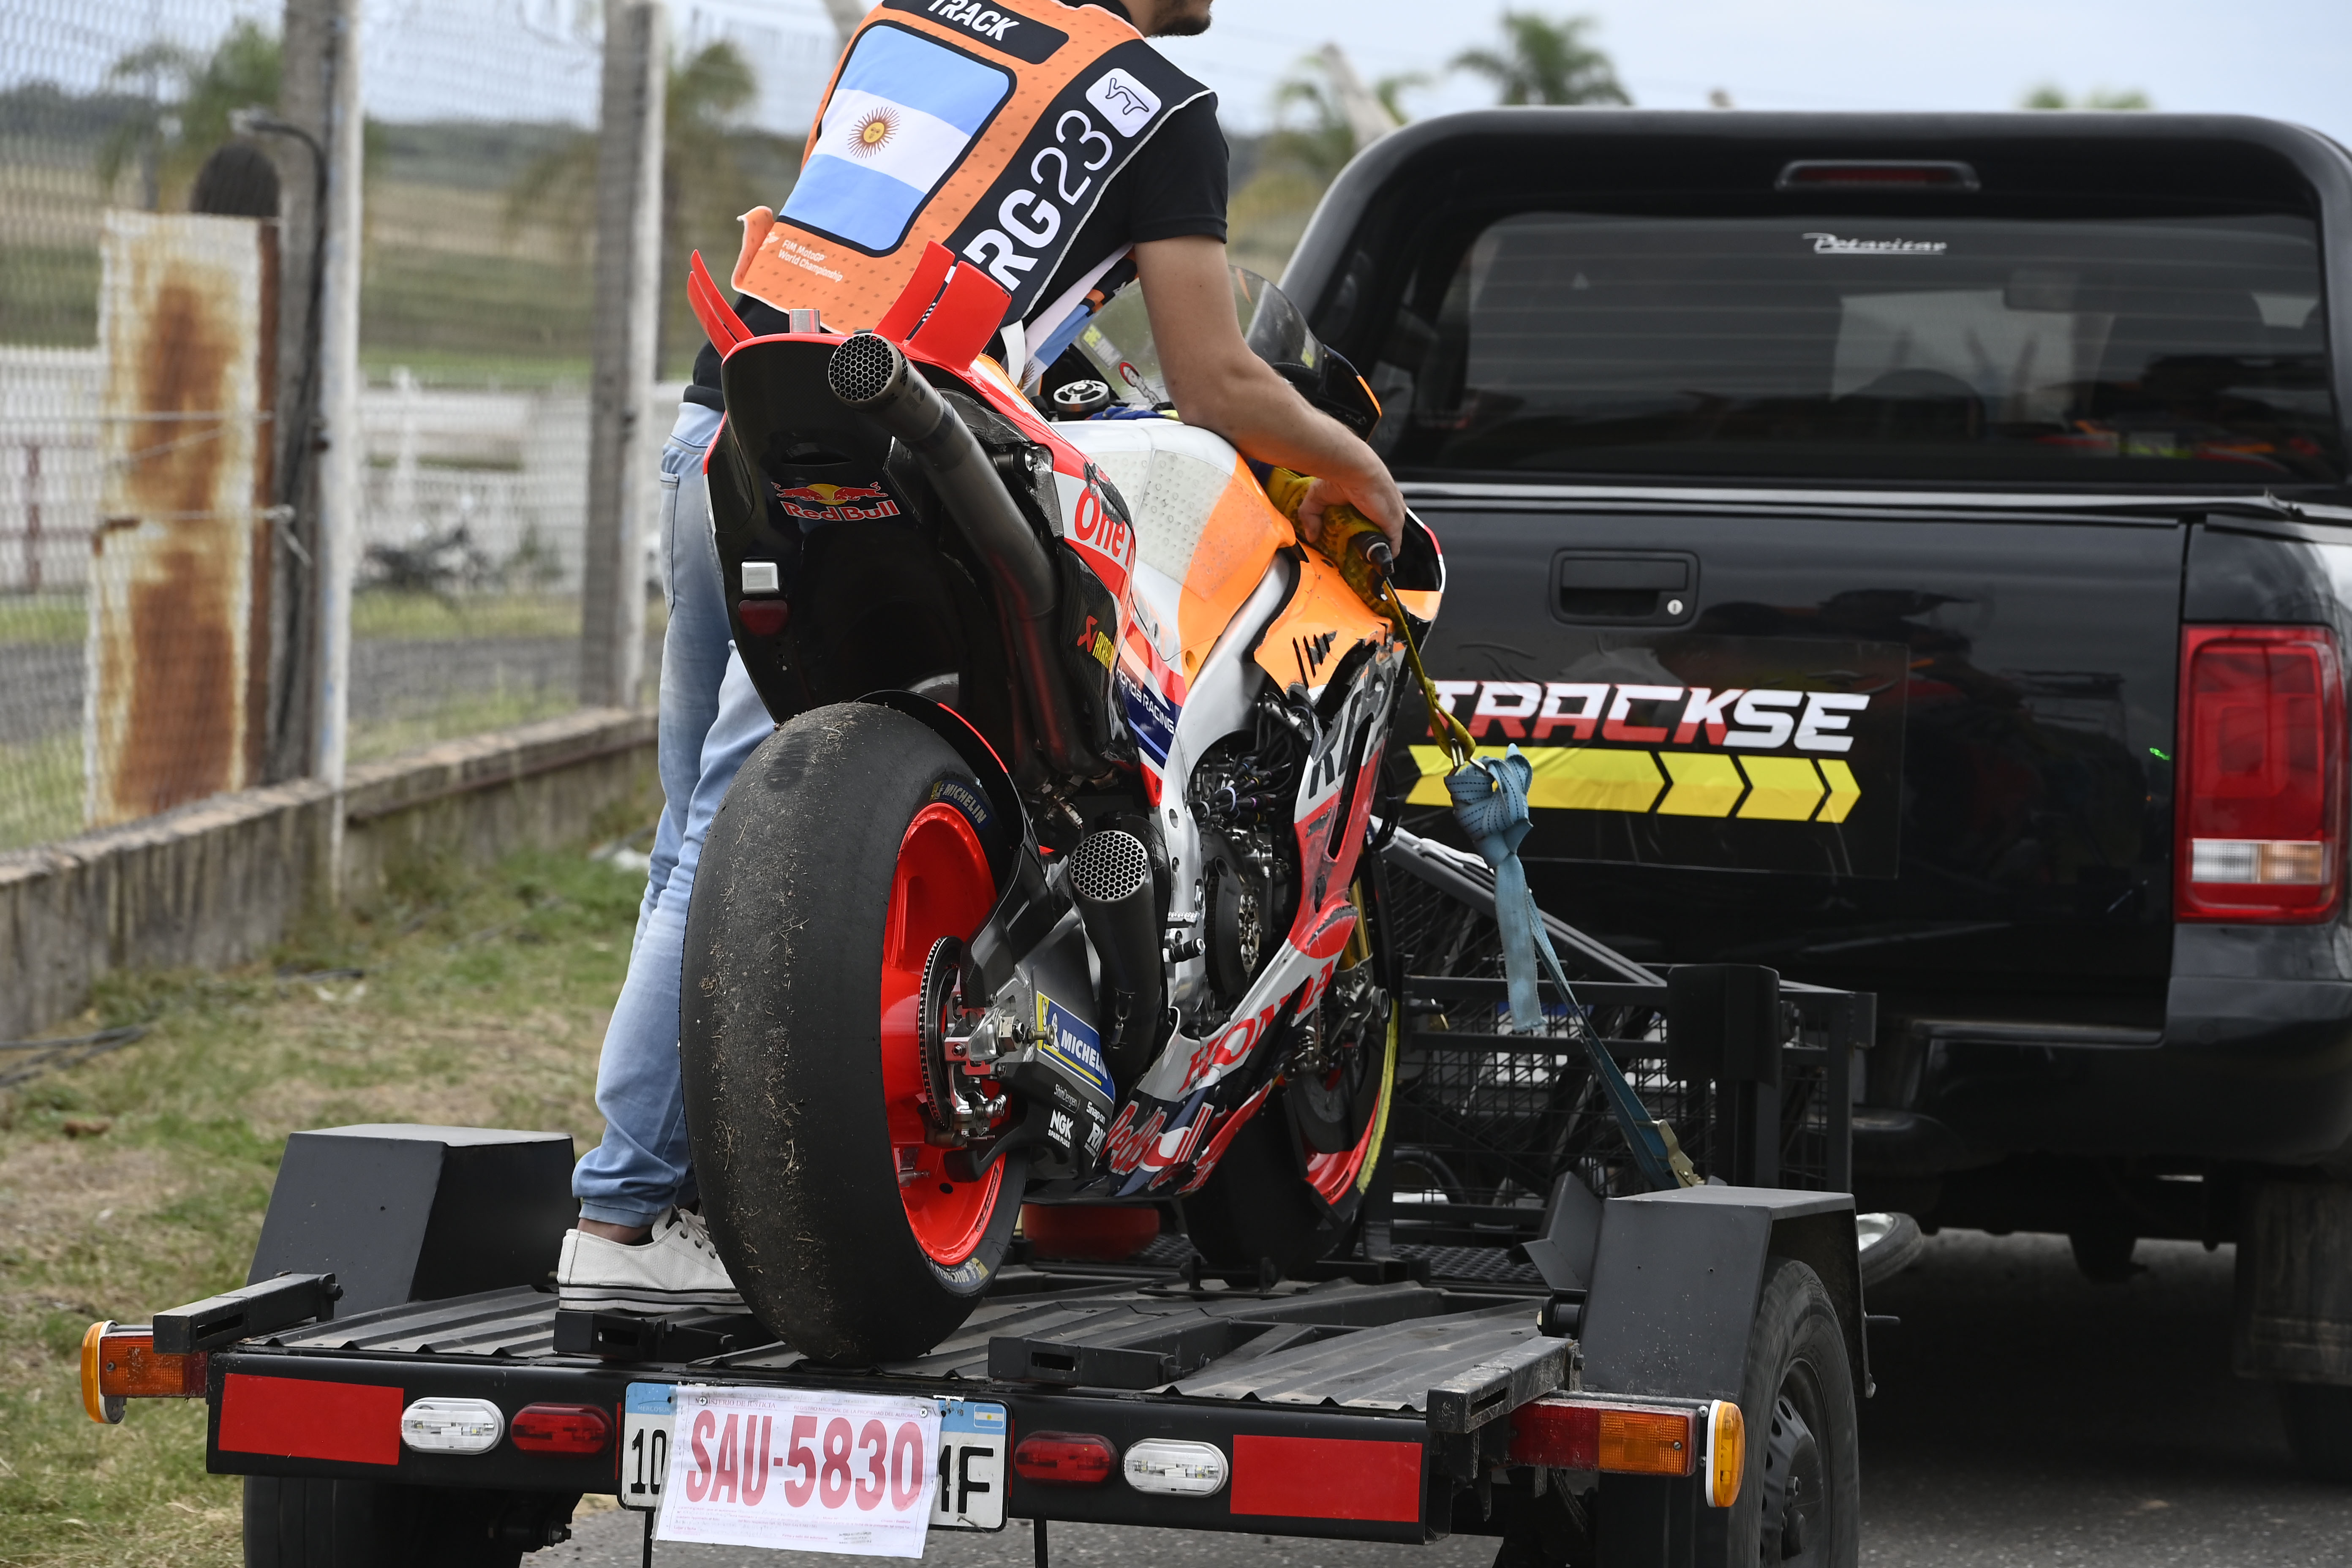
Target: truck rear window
{"type": "Point", "coordinates": [2157, 351]}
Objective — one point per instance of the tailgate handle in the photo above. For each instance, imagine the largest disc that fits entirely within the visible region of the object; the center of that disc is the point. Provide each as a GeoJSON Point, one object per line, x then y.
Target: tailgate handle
{"type": "Point", "coordinates": [1620, 572]}
{"type": "Point", "coordinates": [1647, 587]}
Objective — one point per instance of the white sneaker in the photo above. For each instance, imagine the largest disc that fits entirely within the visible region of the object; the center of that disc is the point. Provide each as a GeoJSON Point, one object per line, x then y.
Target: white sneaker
{"type": "Point", "coordinates": [675, 1269]}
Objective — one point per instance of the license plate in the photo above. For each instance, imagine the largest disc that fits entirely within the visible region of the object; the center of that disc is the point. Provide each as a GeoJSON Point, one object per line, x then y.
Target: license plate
{"type": "Point", "coordinates": [645, 1419]}
{"type": "Point", "coordinates": [973, 1439]}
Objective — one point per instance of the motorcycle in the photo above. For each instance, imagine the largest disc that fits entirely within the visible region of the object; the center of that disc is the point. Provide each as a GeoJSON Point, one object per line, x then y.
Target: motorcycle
{"type": "Point", "coordinates": [1051, 885]}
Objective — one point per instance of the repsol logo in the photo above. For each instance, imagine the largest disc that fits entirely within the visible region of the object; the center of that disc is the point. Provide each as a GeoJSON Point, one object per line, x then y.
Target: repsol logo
{"type": "Point", "coordinates": [1762, 718]}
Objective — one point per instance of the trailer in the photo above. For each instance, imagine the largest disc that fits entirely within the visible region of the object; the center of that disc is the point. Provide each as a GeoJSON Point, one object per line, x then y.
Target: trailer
{"type": "Point", "coordinates": [1512, 1343]}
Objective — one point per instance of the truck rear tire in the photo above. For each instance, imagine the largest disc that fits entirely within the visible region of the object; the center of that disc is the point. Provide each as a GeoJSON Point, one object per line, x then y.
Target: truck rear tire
{"type": "Point", "coordinates": [2318, 1419]}
{"type": "Point", "coordinates": [1801, 1499]}
{"type": "Point", "coordinates": [847, 849]}
{"type": "Point", "coordinates": [292, 1523]}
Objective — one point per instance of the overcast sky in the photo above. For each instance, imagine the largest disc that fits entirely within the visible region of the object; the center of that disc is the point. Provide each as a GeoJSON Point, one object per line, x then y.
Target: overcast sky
{"type": "Point", "coordinates": [2288, 58]}
{"type": "Point", "coordinates": [535, 58]}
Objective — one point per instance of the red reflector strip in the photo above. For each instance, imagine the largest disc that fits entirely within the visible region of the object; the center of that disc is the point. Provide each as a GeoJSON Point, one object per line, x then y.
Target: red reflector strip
{"type": "Point", "coordinates": [1326, 1478]}
{"type": "Point", "coordinates": [560, 1429]}
{"type": "Point", "coordinates": [296, 1419]}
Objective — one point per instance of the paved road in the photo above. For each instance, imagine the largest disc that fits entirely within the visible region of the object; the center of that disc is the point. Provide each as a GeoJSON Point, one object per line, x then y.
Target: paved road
{"type": "Point", "coordinates": [2024, 1419]}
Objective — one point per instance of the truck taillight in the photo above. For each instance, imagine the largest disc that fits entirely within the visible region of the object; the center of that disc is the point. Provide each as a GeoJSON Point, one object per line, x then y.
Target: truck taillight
{"type": "Point", "coordinates": [2261, 787]}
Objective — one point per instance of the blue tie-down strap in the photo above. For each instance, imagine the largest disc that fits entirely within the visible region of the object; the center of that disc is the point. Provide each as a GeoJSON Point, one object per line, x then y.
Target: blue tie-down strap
{"type": "Point", "coordinates": [1490, 802]}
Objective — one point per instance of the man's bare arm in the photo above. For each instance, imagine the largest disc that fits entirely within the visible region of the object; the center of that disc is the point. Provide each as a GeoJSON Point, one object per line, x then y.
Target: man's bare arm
{"type": "Point", "coordinates": [1218, 384]}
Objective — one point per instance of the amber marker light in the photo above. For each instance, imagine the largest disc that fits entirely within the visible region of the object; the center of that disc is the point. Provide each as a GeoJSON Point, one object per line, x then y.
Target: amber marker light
{"type": "Point", "coordinates": [1726, 1453]}
{"type": "Point", "coordinates": [1579, 1433]}
{"type": "Point", "coordinates": [119, 1364]}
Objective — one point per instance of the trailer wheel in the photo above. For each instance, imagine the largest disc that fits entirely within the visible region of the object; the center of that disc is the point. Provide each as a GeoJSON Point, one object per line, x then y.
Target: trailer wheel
{"type": "Point", "coordinates": [1802, 1500]}
{"type": "Point", "coordinates": [366, 1524]}
{"type": "Point", "coordinates": [2319, 1428]}
{"type": "Point", "coordinates": [848, 848]}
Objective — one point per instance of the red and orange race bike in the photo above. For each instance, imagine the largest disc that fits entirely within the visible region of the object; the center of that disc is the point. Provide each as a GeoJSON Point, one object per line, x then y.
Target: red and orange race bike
{"type": "Point", "coordinates": [1051, 885]}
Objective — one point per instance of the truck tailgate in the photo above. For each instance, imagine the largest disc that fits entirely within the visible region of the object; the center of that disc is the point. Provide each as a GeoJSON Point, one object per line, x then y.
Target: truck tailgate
{"type": "Point", "coordinates": [1946, 765]}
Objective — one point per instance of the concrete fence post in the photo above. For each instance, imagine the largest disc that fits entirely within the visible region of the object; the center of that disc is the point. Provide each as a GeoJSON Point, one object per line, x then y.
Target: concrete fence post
{"type": "Point", "coordinates": [622, 439]}
{"type": "Point", "coordinates": [322, 451]}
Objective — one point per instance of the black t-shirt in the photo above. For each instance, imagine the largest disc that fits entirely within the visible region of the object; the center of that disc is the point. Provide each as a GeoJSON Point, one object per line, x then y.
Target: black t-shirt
{"type": "Point", "coordinates": [1174, 185]}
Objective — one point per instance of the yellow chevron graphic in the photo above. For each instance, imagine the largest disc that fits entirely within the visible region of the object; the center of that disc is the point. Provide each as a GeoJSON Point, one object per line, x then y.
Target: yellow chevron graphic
{"type": "Point", "coordinates": [1706, 784]}
{"type": "Point", "coordinates": [1671, 784]}
{"type": "Point", "coordinates": [1786, 789]}
{"type": "Point", "coordinates": [1843, 791]}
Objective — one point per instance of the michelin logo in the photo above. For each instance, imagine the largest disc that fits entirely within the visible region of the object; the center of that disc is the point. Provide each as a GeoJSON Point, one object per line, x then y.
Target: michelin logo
{"type": "Point", "coordinates": [1072, 1041]}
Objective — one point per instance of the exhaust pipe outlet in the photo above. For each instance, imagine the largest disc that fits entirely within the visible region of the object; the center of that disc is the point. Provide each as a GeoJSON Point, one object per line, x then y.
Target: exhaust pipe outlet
{"type": "Point", "coordinates": [1110, 878]}
{"type": "Point", "coordinates": [870, 374]}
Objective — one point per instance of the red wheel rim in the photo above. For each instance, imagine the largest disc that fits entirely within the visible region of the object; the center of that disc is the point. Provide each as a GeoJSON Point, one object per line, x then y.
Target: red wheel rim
{"type": "Point", "coordinates": [942, 887]}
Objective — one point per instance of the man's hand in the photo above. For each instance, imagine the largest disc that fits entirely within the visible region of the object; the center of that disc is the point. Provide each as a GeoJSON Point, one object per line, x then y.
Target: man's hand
{"type": "Point", "coordinates": [1218, 384]}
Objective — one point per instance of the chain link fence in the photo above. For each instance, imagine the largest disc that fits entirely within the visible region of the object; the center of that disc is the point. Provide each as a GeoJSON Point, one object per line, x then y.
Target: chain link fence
{"type": "Point", "coordinates": [138, 330]}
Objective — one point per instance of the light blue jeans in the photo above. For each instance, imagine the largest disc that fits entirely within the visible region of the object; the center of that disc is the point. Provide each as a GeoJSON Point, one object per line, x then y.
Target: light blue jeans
{"type": "Point", "coordinates": [711, 719]}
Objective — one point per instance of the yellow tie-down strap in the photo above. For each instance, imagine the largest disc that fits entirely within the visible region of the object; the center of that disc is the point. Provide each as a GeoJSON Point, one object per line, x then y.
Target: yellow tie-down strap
{"type": "Point", "coordinates": [1667, 783]}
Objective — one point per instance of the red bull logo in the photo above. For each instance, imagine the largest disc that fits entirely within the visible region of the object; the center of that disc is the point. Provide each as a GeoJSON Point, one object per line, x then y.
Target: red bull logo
{"type": "Point", "coordinates": [837, 503]}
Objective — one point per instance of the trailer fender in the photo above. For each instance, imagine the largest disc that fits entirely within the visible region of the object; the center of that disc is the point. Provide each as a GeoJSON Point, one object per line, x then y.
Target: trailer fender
{"type": "Point", "coordinates": [1676, 1277]}
{"type": "Point", "coordinates": [399, 1213]}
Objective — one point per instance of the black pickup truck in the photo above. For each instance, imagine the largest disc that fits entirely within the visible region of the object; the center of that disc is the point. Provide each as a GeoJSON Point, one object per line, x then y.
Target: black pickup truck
{"type": "Point", "coordinates": [1915, 551]}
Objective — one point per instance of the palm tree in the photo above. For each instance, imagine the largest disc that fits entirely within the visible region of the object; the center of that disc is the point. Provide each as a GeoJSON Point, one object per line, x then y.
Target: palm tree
{"type": "Point", "coordinates": [169, 139]}
{"type": "Point", "coordinates": [2050, 95]}
{"type": "Point", "coordinates": [705, 180]}
{"type": "Point", "coordinates": [1312, 134]}
{"type": "Point", "coordinates": [1546, 61]}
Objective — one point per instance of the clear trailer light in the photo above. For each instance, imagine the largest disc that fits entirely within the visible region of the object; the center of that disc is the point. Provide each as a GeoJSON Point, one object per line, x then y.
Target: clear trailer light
{"type": "Point", "coordinates": [452, 1426]}
{"type": "Point", "coordinates": [1172, 1469]}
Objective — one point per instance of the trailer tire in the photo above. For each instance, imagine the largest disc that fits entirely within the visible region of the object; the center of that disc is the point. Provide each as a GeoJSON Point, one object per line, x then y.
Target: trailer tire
{"type": "Point", "coordinates": [2318, 1417]}
{"type": "Point", "coordinates": [296, 1524]}
{"type": "Point", "coordinates": [1801, 1499]}
{"type": "Point", "coordinates": [849, 846]}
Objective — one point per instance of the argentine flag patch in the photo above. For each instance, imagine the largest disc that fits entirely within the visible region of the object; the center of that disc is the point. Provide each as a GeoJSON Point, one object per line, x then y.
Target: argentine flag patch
{"type": "Point", "coordinates": [900, 116]}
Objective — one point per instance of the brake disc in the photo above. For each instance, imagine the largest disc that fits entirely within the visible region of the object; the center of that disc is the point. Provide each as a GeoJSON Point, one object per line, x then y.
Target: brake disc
{"type": "Point", "coordinates": [951, 1119]}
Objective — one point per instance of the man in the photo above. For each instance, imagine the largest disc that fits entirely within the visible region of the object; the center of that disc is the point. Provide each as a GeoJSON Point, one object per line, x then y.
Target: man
{"type": "Point", "coordinates": [640, 1244]}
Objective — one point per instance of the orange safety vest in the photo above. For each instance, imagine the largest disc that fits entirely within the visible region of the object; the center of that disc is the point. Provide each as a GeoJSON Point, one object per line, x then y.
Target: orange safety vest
{"type": "Point", "coordinates": [991, 127]}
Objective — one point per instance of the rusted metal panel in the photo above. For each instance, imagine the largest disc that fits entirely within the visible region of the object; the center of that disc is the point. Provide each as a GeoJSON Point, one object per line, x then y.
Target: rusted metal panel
{"type": "Point", "coordinates": [176, 616]}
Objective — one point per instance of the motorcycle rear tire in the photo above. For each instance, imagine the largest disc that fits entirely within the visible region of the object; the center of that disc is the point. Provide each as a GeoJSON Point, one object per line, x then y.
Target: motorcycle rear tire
{"type": "Point", "coordinates": [845, 849]}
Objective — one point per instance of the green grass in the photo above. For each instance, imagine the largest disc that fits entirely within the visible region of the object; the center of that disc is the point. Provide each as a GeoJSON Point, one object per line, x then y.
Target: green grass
{"type": "Point", "coordinates": [48, 295]}
{"type": "Point", "coordinates": [138, 1181]}
{"type": "Point", "coordinates": [425, 616]}
{"type": "Point", "coordinates": [44, 617]}
{"type": "Point", "coordinates": [40, 791]}
{"type": "Point", "coordinates": [460, 715]}
{"type": "Point", "coordinates": [447, 311]}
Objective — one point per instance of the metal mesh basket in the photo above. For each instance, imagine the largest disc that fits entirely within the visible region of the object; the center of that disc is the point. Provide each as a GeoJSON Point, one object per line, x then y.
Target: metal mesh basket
{"type": "Point", "coordinates": [1485, 1122]}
